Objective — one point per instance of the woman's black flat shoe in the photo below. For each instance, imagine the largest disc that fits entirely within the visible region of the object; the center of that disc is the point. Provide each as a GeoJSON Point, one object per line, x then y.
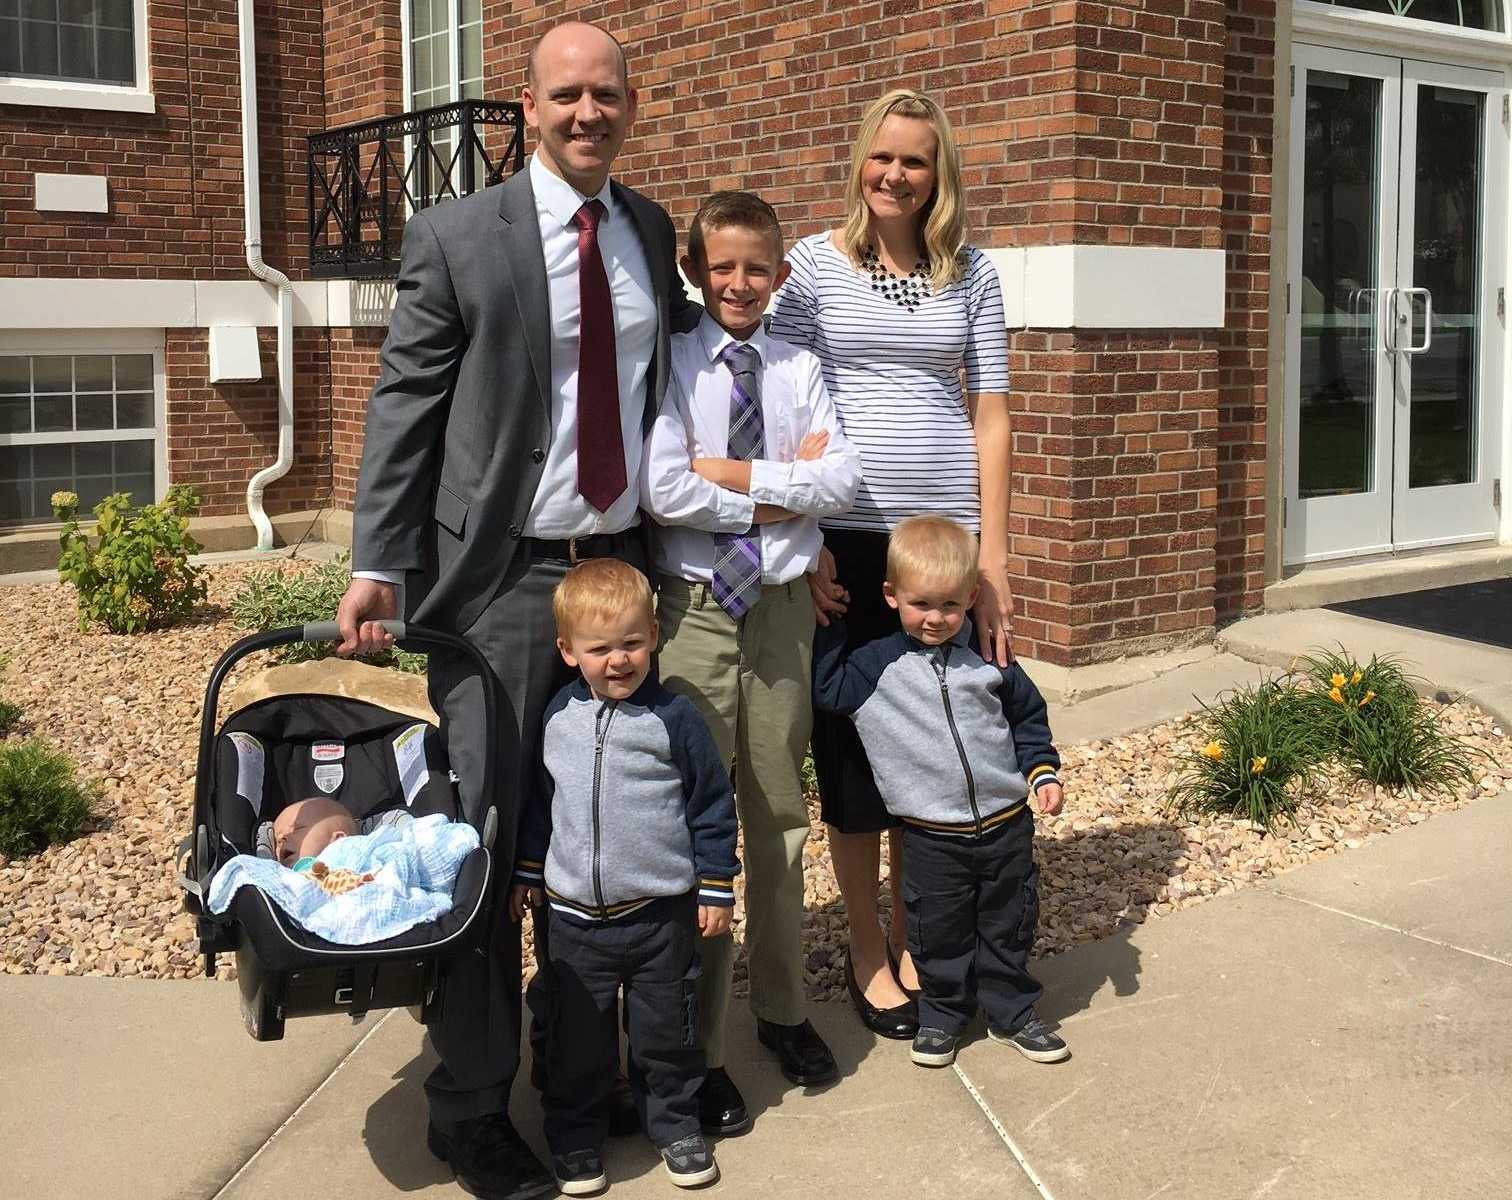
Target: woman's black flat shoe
{"type": "Point", "coordinates": [899, 1023]}
{"type": "Point", "coordinates": [892, 963]}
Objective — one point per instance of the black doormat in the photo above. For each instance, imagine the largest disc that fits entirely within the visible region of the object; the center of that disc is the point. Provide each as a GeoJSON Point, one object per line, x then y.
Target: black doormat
{"type": "Point", "coordinates": [1479, 612]}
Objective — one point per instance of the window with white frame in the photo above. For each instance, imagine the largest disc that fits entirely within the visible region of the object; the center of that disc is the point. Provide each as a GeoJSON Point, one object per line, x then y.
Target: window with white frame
{"type": "Point", "coordinates": [446, 51]}
{"type": "Point", "coordinates": [83, 423]}
{"type": "Point", "coordinates": [79, 41]}
{"type": "Point", "coordinates": [1467, 14]}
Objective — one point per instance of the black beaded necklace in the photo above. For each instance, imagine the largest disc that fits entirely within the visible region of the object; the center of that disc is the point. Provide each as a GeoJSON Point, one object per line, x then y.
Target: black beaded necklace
{"type": "Point", "coordinates": [907, 293]}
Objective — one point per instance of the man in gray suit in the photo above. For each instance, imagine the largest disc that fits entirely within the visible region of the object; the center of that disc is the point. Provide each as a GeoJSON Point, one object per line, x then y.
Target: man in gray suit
{"type": "Point", "coordinates": [527, 355]}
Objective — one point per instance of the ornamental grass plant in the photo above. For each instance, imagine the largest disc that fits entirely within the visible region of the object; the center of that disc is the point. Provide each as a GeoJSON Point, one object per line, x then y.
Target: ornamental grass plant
{"type": "Point", "coordinates": [1261, 754]}
{"type": "Point", "coordinates": [1377, 727]}
{"type": "Point", "coordinates": [42, 799]}
{"type": "Point", "coordinates": [272, 599]}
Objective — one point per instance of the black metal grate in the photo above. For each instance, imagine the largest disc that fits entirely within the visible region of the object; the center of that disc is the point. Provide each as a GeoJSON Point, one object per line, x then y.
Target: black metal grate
{"type": "Point", "coordinates": [365, 179]}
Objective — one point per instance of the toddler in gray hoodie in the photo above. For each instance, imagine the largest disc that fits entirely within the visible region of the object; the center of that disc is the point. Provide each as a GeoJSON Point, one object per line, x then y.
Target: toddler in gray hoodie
{"type": "Point", "coordinates": [630, 843]}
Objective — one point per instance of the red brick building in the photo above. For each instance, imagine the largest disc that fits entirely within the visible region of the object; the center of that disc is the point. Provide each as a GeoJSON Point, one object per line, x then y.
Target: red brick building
{"type": "Point", "coordinates": [1253, 253]}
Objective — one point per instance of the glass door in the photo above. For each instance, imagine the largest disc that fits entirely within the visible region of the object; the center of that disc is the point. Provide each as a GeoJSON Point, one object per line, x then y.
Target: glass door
{"type": "Point", "coordinates": [1393, 331]}
{"type": "Point", "coordinates": [1446, 343]}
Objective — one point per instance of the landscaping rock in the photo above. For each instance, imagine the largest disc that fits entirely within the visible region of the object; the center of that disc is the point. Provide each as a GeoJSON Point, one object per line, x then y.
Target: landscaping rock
{"type": "Point", "coordinates": [127, 709]}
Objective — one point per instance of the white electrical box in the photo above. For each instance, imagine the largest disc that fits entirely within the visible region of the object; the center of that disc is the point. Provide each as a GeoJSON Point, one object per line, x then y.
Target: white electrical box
{"type": "Point", "coordinates": [234, 357]}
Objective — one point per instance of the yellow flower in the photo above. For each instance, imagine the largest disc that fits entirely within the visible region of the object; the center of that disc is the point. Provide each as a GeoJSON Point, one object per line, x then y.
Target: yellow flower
{"type": "Point", "coordinates": [1257, 764]}
{"type": "Point", "coordinates": [1357, 676]}
{"type": "Point", "coordinates": [1335, 695]}
{"type": "Point", "coordinates": [1338, 680]}
{"type": "Point", "coordinates": [1369, 696]}
{"type": "Point", "coordinates": [1212, 750]}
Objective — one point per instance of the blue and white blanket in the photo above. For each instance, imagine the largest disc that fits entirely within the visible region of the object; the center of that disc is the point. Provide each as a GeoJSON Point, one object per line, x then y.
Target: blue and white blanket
{"type": "Point", "coordinates": [414, 868]}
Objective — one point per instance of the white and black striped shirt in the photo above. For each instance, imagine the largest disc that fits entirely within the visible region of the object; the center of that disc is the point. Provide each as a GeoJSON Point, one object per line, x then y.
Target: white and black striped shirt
{"type": "Point", "coordinates": [895, 378]}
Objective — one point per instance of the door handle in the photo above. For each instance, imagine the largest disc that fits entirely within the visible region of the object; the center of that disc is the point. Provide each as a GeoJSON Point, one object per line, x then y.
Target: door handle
{"type": "Point", "coordinates": [1406, 319]}
{"type": "Point", "coordinates": [1387, 299]}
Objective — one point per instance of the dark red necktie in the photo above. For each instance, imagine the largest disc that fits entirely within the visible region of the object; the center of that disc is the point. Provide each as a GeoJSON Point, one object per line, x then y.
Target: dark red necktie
{"type": "Point", "coordinates": [600, 448]}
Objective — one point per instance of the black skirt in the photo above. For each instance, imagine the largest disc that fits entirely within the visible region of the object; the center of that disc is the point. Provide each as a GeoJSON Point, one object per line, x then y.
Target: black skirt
{"type": "Point", "coordinates": [848, 794]}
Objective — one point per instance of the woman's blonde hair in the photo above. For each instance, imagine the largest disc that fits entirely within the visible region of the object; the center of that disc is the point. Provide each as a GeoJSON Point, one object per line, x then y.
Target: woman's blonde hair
{"type": "Point", "coordinates": [944, 215]}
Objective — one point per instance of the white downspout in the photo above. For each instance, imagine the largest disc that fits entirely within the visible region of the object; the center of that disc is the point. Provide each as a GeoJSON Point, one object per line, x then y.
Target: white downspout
{"type": "Point", "coordinates": [252, 208]}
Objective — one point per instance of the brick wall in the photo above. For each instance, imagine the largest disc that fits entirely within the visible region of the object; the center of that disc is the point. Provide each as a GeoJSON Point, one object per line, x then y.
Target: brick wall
{"type": "Point", "coordinates": [220, 435]}
{"type": "Point", "coordinates": [354, 369]}
{"type": "Point", "coordinates": [1114, 462]}
{"type": "Point", "coordinates": [175, 174]}
{"type": "Point", "coordinates": [1243, 377]}
{"type": "Point", "coordinates": [364, 60]}
{"type": "Point", "coordinates": [1077, 122]}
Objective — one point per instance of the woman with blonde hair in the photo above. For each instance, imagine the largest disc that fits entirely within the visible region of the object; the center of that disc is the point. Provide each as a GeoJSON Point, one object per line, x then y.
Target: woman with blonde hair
{"type": "Point", "coordinates": [907, 321]}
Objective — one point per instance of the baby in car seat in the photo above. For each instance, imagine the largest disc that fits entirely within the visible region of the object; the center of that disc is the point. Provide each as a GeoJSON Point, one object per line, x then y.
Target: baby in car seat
{"type": "Point", "coordinates": [307, 827]}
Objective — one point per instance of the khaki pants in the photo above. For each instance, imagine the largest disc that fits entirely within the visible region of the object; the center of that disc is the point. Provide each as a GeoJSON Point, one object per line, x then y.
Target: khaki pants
{"type": "Point", "coordinates": [750, 681]}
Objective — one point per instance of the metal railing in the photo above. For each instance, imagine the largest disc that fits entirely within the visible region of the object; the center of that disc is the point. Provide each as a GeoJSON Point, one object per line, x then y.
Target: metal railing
{"type": "Point", "coordinates": [364, 180]}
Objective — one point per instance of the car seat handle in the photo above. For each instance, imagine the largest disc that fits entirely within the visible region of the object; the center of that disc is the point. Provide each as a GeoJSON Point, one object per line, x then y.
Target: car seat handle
{"type": "Point", "coordinates": [328, 631]}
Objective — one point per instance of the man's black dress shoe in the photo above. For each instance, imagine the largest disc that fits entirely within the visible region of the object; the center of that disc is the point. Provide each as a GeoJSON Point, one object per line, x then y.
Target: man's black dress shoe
{"type": "Point", "coordinates": [490, 1159]}
{"type": "Point", "coordinates": [721, 1107]}
{"type": "Point", "coordinates": [899, 1023]}
{"type": "Point", "coordinates": [801, 1052]}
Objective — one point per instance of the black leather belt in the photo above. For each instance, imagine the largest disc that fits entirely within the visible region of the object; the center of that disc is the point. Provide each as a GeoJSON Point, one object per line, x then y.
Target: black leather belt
{"type": "Point", "coordinates": [572, 550]}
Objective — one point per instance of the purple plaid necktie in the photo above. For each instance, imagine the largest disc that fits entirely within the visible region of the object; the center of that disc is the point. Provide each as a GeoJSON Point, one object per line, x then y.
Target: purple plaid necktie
{"type": "Point", "coordinates": [737, 556]}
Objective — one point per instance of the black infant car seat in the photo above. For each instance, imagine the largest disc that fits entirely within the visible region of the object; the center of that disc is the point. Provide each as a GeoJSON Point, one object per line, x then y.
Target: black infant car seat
{"type": "Point", "coordinates": [371, 759]}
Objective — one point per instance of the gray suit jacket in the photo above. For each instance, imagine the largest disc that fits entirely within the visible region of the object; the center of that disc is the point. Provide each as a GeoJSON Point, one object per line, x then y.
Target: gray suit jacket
{"type": "Point", "coordinates": [459, 420]}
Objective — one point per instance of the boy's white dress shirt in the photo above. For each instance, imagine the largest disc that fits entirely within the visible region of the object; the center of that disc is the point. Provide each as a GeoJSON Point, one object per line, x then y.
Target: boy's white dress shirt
{"type": "Point", "coordinates": [695, 423]}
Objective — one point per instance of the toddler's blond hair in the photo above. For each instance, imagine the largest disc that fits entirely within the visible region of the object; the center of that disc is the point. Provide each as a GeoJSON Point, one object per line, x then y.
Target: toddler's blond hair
{"type": "Point", "coordinates": [932, 551]}
{"type": "Point", "coordinates": [601, 589]}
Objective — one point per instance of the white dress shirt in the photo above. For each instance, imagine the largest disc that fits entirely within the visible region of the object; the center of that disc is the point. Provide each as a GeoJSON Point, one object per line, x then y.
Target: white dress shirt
{"type": "Point", "coordinates": [558, 511]}
{"type": "Point", "coordinates": [695, 423]}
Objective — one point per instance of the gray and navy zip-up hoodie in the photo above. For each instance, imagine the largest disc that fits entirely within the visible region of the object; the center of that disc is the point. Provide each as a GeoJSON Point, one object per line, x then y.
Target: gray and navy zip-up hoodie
{"type": "Point", "coordinates": [955, 743]}
{"type": "Point", "coordinates": [634, 805]}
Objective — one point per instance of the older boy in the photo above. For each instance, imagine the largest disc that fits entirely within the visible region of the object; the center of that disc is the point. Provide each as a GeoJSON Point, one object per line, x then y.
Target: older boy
{"type": "Point", "coordinates": [633, 840]}
{"type": "Point", "coordinates": [745, 454]}
{"type": "Point", "coordinates": [957, 745]}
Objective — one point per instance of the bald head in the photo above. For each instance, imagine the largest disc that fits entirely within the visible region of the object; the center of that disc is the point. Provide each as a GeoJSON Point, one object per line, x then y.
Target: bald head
{"type": "Point", "coordinates": [572, 38]}
{"type": "Point", "coordinates": [579, 103]}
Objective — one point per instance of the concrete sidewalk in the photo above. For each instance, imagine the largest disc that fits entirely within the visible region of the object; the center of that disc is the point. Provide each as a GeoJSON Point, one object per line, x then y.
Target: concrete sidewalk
{"type": "Point", "coordinates": [1345, 1030]}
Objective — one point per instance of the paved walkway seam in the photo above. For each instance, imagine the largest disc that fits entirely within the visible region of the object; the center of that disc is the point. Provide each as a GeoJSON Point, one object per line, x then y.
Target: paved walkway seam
{"type": "Point", "coordinates": [303, 1104]}
{"type": "Point", "coordinates": [1029, 1172]}
{"type": "Point", "coordinates": [1344, 912]}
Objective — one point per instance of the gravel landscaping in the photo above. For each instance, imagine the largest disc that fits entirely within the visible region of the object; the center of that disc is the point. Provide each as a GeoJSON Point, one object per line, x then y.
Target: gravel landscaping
{"type": "Point", "coordinates": [127, 709]}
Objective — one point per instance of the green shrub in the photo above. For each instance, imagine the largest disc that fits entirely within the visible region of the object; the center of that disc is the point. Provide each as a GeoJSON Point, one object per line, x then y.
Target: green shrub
{"type": "Point", "coordinates": [1378, 728]}
{"type": "Point", "coordinates": [1260, 751]}
{"type": "Point", "coordinates": [271, 599]}
{"type": "Point", "coordinates": [41, 799]}
{"type": "Point", "coordinates": [9, 715]}
{"type": "Point", "coordinates": [137, 573]}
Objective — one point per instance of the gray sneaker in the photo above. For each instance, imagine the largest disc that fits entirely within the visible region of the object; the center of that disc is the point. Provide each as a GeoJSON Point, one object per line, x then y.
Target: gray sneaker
{"type": "Point", "coordinates": [934, 1048]}
{"type": "Point", "coordinates": [579, 1172]}
{"type": "Point", "coordinates": [690, 1162]}
{"type": "Point", "coordinates": [1033, 1041]}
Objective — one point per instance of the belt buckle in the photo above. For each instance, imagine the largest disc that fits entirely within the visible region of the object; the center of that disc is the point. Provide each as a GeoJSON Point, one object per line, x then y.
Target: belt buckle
{"type": "Point", "coordinates": [572, 553]}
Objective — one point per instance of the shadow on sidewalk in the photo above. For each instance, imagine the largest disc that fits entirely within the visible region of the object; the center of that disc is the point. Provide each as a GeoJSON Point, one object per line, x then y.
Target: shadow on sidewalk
{"type": "Point", "coordinates": [1096, 887]}
{"type": "Point", "coordinates": [394, 1131]}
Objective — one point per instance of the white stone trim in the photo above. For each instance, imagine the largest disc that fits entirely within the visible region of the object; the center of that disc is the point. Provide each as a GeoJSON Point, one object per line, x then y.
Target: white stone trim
{"type": "Point", "coordinates": [1379, 32]}
{"type": "Point", "coordinates": [1044, 287]}
{"type": "Point", "coordinates": [180, 303]}
{"type": "Point", "coordinates": [52, 93]}
{"type": "Point", "coordinates": [1111, 287]}
{"type": "Point", "coordinates": [70, 193]}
